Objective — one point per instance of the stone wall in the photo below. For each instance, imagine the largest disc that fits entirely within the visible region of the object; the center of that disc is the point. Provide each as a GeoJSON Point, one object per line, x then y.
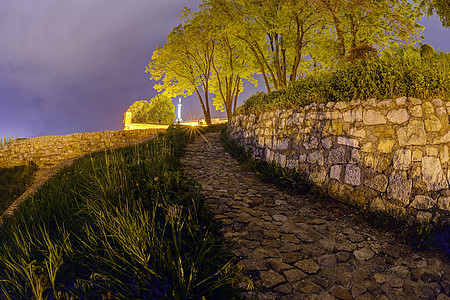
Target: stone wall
{"type": "Point", "coordinates": [390, 155]}
{"type": "Point", "coordinates": [49, 151]}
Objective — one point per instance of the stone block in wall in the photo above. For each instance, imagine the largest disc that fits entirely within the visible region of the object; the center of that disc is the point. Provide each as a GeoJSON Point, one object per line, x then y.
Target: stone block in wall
{"type": "Point", "coordinates": [336, 128]}
{"type": "Point", "coordinates": [312, 144]}
{"type": "Point", "coordinates": [402, 159]}
{"type": "Point", "coordinates": [443, 155]}
{"type": "Point", "coordinates": [416, 111]}
{"type": "Point", "coordinates": [415, 101]}
{"type": "Point", "coordinates": [292, 163]}
{"type": "Point", "coordinates": [354, 115]}
{"type": "Point", "coordinates": [399, 187]}
{"type": "Point", "coordinates": [340, 192]}
{"type": "Point", "coordinates": [360, 133]}
{"type": "Point", "coordinates": [401, 101]}
{"type": "Point", "coordinates": [423, 216]}
{"type": "Point", "coordinates": [431, 151]}
{"type": "Point", "coordinates": [378, 204]}
{"type": "Point", "coordinates": [422, 202]}
{"type": "Point", "coordinates": [362, 195]}
{"type": "Point", "coordinates": [367, 147]}
{"type": "Point", "coordinates": [373, 117]}
{"type": "Point", "coordinates": [302, 157]}
{"type": "Point", "coordinates": [437, 102]}
{"type": "Point", "coordinates": [336, 156]}
{"type": "Point", "coordinates": [280, 159]}
{"type": "Point", "coordinates": [376, 162]}
{"type": "Point", "coordinates": [428, 108]}
{"type": "Point", "coordinates": [318, 175]}
{"type": "Point", "coordinates": [417, 155]}
{"type": "Point", "coordinates": [341, 105]}
{"type": "Point", "coordinates": [386, 104]}
{"type": "Point", "coordinates": [376, 181]}
{"type": "Point", "coordinates": [413, 134]}
{"type": "Point", "coordinates": [398, 116]}
{"type": "Point", "coordinates": [355, 157]}
{"type": "Point", "coordinates": [443, 139]}
{"type": "Point", "coordinates": [386, 145]}
{"type": "Point", "coordinates": [432, 173]}
{"type": "Point", "coordinates": [335, 172]}
{"type": "Point", "coordinates": [444, 203]}
{"type": "Point", "coordinates": [316, 157]}
{"type": "Point", "coordinates": [327, 143]}
{"type": "Point", "coordinates": [441, 112]}
{"type": "Point", "coordinates": [348, 142]}
{"type": "Point", "coordinates": [352, 175]}
{"type": "Point", "coordinates": [432, 123]}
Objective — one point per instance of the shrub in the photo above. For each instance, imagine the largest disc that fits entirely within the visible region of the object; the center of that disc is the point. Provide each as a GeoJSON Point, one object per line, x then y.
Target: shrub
{"type": "Point", "coordinates": [394, 74]}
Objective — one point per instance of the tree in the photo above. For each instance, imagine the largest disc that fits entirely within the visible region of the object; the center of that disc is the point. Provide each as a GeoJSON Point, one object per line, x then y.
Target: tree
{"type": "Point", "coordinates": [184, 64]}
{"type": "Point", "coordinates": [231, 65]}
{"type": "Point", "coordinates": [440, 7]}
{"type": "Point", "coordinates": [162, 109]}
{"type": "Point", "coordinates": [274, 32]}
{"type": "Point", "coordinates": [377, 23]}
{"type": "Point", "coordinates": [140, 111]}
{"type": "Point", "coordinates": [158, 110]}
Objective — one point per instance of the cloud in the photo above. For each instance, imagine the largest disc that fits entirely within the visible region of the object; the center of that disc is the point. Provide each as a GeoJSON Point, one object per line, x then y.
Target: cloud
{"type": "Point", "coordinates": [76, 65]}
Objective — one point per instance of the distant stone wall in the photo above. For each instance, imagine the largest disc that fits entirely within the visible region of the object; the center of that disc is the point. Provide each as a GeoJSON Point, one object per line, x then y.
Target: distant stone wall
{"type": "Point", "coordinates": [390, 155]}
{"type": "Point", "coordinates": [49, 151]}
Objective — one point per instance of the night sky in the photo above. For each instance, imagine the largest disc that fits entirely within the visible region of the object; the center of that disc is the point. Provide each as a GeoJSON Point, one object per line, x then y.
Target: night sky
{"type": "Point", "coordinates": [76, 65]}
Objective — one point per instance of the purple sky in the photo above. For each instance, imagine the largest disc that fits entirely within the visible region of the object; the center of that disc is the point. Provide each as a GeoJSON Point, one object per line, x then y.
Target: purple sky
{"type": "Point", "coordinates": [76, 65]}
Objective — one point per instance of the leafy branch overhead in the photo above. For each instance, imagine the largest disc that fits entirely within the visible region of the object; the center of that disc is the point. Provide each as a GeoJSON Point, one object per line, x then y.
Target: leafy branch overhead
{"type": "Point", "coordinates": [226, 42]}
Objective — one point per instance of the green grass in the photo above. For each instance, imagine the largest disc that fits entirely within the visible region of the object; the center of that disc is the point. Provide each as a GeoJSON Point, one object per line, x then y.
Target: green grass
{"type": "Point", "coordinates": [400, 72]}
{"type": "Point", "coordinates": [7, 140]}
{"type": "Point", "coordinates": [13, 183]}
{"type": "Point", "coordinates": [121, 224]}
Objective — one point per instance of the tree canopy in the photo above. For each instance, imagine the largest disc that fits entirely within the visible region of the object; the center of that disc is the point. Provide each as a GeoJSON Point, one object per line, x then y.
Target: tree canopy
{"type": "Point", "coordinates": [158, 110]}
{"type": "Point", "coordinates": [228, 41]}
{"type": "Point", "coordinates": [441, 8]}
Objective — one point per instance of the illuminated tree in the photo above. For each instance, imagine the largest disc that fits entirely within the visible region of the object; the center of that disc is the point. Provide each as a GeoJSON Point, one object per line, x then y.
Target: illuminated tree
{"type": "Point", "coordinates": [275, 33]}
{"type": "Point", "coordinates": [158, 110]}
{"type": "Point", "coordinates": [183, 66]}
{"type": "Point", "coordinates": [440, 7]}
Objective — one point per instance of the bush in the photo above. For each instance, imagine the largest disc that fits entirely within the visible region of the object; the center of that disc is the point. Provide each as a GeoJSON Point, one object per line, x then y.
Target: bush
{"type": "Point", "coordinates": [394, 74]}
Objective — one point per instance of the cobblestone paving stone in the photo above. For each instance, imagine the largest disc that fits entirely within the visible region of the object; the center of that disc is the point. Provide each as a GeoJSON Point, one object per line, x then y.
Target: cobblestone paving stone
{"type": "Point", "coordinates": [295, 249]}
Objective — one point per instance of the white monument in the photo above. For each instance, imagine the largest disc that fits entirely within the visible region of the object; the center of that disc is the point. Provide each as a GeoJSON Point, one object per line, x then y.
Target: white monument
{"type": "Point", "coordinates": [179, 119]}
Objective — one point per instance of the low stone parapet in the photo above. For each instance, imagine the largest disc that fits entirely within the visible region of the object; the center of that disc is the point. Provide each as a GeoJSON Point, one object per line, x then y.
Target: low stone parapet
{"type": "Point", "coordinates": [390, 155]}
{"type": "Point", "coordinates": [49, 151]}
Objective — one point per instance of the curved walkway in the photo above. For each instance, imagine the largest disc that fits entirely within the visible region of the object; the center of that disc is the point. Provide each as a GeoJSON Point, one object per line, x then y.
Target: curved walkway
{"type": "Point", "coordinates": [294, 249]}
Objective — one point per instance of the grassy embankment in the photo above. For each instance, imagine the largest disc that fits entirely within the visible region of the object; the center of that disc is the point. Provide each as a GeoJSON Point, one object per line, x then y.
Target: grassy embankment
{"type": "Point", "coordinates": [122, 224]}
{"type": "Point", "coordinates": [399, 74]}
{"type": "Point", "coordinates": [13, 181]}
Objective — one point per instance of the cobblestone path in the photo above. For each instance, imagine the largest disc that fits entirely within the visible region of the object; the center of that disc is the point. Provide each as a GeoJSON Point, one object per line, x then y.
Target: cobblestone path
{"type": "Point", "coordinates": [295, 249]}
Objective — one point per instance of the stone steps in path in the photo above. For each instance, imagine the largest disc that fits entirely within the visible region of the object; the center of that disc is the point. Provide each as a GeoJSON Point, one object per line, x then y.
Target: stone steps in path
{"type": "Point", "coordinates": [295, 249]}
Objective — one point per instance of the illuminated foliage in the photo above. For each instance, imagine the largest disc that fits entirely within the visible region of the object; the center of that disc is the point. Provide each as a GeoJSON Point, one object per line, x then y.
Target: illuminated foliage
{"type": "Point", "coordinates": [441, 8]}
{"type": "Point", "coordinates": [158, 110]}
